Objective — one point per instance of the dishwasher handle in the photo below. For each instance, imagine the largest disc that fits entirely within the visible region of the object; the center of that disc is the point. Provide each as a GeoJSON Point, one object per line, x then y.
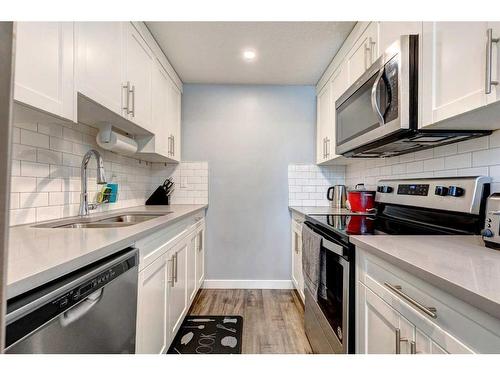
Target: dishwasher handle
{"type": "Point", "coordinates": [78, 311]}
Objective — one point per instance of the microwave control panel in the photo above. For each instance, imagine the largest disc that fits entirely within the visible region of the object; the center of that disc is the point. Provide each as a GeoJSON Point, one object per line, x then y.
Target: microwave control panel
{"type": "Point", "coordinates": [413, 189]}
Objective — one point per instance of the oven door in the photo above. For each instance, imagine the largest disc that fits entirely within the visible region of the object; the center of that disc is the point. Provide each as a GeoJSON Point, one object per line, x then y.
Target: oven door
{"type": "Point", "coordinates": [327, 311]}
{"type": "Point", "coordinates": [377, 104]}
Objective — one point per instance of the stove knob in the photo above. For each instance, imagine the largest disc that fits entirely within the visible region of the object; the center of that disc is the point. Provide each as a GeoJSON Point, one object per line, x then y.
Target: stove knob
{"type": "Point", "coordinates": [455, 191]}
{"type": "Point", "coordinates": [487, 233]}
{"type": "Point", "coordinates": [384, 189]}
{"type": "Point", "coordinates": [441, 190]}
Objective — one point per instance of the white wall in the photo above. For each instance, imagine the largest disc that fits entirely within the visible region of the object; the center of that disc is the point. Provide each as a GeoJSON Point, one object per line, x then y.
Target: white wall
{"type": "Point", "coordinates": [480, 156]}
{"type": "Point", "coordinates": [249, 135]}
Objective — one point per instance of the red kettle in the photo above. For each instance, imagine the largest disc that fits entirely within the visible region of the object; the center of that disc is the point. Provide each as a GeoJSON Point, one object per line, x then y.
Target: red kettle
{"type": "Point", "coordinates": [360, 199]}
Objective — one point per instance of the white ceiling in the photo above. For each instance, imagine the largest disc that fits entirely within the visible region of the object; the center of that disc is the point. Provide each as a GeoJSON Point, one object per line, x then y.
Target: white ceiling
{"type": "Point", "coordinates": [287, 52]}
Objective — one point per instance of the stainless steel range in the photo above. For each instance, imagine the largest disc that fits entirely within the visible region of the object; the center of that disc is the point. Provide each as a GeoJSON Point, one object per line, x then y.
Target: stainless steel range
{"type": "Point", "coordinates": [435, 206]}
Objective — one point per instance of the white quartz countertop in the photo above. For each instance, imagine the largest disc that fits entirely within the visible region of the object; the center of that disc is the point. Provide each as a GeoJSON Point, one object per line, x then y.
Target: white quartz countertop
{"type": "Point", "coordinates": [310, 210]}
{"type": "Point", "coordinates": [459, 265]}
{"type": "Point", "coordinates": [39, 255]}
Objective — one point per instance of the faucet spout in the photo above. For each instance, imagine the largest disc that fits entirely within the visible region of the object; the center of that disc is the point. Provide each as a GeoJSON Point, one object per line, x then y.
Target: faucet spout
{"type": "Point", "coordinates": [101, 179]}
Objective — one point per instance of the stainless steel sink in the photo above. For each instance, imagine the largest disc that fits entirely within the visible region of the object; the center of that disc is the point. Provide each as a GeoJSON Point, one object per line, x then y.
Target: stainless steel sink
{"type": "Point", "coordinates": [108, 221]}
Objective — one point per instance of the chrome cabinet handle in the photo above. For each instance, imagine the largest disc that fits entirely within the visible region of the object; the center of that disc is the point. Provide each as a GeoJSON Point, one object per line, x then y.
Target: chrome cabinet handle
{"type": "Point", "coordinates": [126, 107]}
{"type": "Point", "coordinates": [200, 241]}
{"type": "Point", "coordinates": [413, 347]}
{"type": "Point", "coordinates": [175, 268]}
{"type": "Point", "coordinates": [170, 145]}
{"type": "Point", "coordinates": [368, 50]}
{"type": "Point", "coordinates": [375, 106]}
{"type": "Point", "coordinates": [399, 339]}
{"type": "Point", "coordinates": [327, 147]}
{"type": "Point", "coordinates": [170, 270]}
{"type": "Point", "coordinates": [132, 91]}
{"type": "Point", "coordinates": [324, 148]}
{"type": "Point", "coordinates": [397, 289]}
{"type": "Point", "coordinates": [489, 57]}
{"type": "Point", "coordinates": [173, 145]}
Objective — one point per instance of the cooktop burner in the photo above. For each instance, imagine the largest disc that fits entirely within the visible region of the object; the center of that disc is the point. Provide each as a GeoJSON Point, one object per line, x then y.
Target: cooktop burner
{"type": "Point", "coordinates": [351, 225]}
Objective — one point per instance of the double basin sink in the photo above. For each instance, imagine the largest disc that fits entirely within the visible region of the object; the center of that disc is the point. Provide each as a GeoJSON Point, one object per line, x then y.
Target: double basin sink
{"type": "Point", "coordinates": [114, 221]}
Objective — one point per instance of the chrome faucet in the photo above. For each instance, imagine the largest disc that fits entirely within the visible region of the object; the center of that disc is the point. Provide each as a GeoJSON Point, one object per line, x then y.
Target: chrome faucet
{"type": "Point", "coordinates": [85, 206]}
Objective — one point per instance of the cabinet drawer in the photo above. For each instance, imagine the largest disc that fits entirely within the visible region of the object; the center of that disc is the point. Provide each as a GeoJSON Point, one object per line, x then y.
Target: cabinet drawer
{"type": "Point", "coordinates": [455, 321]}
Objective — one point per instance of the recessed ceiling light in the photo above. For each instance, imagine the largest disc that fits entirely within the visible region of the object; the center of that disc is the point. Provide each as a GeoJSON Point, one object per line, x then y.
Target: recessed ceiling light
{"type": "Point", "coordinates": [249, 55]}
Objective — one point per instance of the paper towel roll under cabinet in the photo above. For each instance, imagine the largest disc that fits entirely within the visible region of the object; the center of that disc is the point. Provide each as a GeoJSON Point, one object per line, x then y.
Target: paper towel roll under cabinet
{"type": "Point", "coordinates": [113, 141]}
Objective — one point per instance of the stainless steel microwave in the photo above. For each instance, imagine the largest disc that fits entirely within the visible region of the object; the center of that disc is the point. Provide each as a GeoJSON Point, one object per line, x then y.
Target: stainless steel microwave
{"type": "Point", "coordinates": [378, 115]}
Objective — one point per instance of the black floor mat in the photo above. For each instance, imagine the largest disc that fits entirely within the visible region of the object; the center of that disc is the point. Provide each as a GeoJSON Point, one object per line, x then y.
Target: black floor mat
{"type": "Point", "coordinates": [209, 334]}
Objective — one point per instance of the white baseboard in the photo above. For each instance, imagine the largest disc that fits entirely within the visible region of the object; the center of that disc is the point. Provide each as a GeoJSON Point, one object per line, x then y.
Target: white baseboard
{"type": "Point", "coordinates": [248, 284]}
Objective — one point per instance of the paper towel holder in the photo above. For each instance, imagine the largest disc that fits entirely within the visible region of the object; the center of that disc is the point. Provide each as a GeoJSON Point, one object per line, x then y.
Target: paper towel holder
{"type": "Point", "coordinates": [114, 141]}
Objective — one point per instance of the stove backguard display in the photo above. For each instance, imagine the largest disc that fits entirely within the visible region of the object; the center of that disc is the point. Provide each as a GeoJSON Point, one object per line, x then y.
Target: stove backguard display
{"type": "Point", "coordinates": [413, 189]}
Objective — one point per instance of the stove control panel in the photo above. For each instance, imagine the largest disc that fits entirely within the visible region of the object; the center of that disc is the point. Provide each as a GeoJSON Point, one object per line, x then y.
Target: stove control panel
{"type": "Point", "coordinates": [457, 194]}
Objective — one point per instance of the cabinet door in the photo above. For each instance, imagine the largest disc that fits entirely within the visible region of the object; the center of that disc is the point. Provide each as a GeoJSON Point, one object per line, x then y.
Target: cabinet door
{"type": "Point", "coordinates": [100, 62]}
{"type": "Point", "coordinates": [44, 67]}
{"type": "Point", "coordinates": [495, 90]}
{"type": "Point", "coordinates": [139, 65]}
{"type": "Point", "coordinates": [379, 326]}
{"type": "Point", "coordinates": [338, 85]}
{"type": "Point", "coordinates": [191, 267]}
{"type": "Point", "coordinates": [363, 53]}
{"type": "Point", "coordinates": [152, 327]}
{"type": "Point", "coordinates": [160, 112]}
{"type": "Point", "coordinates": [322, 122]}
{"type": "Point", "coordinates": [200, 256]}
{"type": "Point", "coordinates": [177, 290]}
{"type": "Point", "coordinates": [389, 32]}
{"type": "Point", "coordinates": [175, 121]}
{"type": "Point", "coordinates": [453, 69]}
{"type": "Point", "coordinates": [450, 345]}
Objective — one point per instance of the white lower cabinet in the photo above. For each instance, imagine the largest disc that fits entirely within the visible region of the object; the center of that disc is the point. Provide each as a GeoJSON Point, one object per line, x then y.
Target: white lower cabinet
{"type": "Point", "coordinates": [177, 286]}
{"type": "Point", "coordinates": [167, 284]}
{"type": "Point", "coordinates": [384, 331]}
{"type": "Point", "coordinates": [297, 275]}
{"type": "Point", "coordinates": [397, 312]}
{"type": "Point", "coordinates": [152, 327]}
{"type": "Point", "coordinates": [200, 253]}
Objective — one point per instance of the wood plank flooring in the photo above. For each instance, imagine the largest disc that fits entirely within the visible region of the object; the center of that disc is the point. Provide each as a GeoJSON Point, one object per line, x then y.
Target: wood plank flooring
{"type": "Point", "coordinates": [273, 320]}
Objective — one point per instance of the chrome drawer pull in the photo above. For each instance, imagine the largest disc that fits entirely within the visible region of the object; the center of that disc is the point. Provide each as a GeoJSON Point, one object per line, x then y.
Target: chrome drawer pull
{"type": "Point", "coordinates": [397, 289]}
{"type": "Point", "coordinates": [399, 339]}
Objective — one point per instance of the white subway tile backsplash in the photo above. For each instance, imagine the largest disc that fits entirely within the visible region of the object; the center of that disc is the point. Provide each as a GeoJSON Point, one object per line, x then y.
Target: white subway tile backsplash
{"type": "Point", "coordinates": [48, 156]}
{"type": "Point", "coordinates": [458, 161]}
{"type": "Point", "coordinates": [51, 129]}
{"type": "Point", "coordinates": [23, 184]}
{"type": "Point", "coordinates": [28, 200]}
{"type": "Point", "coordinates": [31, 169]}
{"type": "Point", "coordinates": [59, 144]}
{"type": "Point", "coordinates": [22, 152]}
{"type": "Point", "coordinates": [480, 156]}
{"type": "Point", "coordinates": [32, 138]}
{"type": "Point", "coordinates": [22, 216]}
{"type": "Point", "coordinates": [308, 183]}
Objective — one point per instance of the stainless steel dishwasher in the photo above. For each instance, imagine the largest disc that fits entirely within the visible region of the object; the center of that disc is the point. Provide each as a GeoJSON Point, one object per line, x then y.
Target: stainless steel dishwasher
{"type": "Point", "coordinates": [92, 310]}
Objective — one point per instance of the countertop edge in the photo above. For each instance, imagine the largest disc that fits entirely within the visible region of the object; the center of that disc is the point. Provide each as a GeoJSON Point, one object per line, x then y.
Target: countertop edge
{"type": "Point", "coordinates": [18, 287]}
{"type": "Point", "coordinates": [466, 295]}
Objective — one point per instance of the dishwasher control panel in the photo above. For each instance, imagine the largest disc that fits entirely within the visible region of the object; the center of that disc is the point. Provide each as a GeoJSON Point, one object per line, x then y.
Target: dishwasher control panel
{"type": "Point", "coordinates": [81, 292]}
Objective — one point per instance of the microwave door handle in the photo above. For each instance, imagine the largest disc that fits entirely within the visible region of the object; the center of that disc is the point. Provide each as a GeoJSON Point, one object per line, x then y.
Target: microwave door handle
{"type": "Point", "coordinates": [375, 106]}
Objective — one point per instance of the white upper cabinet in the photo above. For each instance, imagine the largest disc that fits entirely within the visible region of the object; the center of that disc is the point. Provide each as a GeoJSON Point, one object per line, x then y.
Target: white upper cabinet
{"type": "Point", "coordinates": [175, 121]}
{"type": "Point", "coordinates": [322, 119]}
{"type": "Point", "coordinates": [100, 63]}
{"type": "Point", "coordinates": [495, 62]}
{"type": "Point", "coordinates": [138, 73]}
{"type": "Point", "coordinates": [389, 32]}
{"type": "Point", "coordinates": [363, 53]}
{"type": "Point", "coordinates": [160, 112]}
{"type": "Point", "coordinates": [44, 67]}
{"type": "Point", "coordinates": [453, 73]}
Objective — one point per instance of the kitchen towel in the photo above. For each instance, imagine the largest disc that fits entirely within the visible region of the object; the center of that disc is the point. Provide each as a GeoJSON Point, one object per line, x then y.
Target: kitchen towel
{"type": "Point", "coordinates": [313, 263]}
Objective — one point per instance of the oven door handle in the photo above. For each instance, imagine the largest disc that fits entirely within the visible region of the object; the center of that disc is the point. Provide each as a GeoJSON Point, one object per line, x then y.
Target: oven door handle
{"type": "Point", "coordinates": [375, 105]}
{"type": "Point", "coordinates": [333, 247]}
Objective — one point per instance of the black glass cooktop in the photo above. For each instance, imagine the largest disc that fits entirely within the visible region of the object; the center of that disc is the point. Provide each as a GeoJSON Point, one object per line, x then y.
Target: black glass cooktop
{"type": "Point", "coordinates": [346, 225]}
